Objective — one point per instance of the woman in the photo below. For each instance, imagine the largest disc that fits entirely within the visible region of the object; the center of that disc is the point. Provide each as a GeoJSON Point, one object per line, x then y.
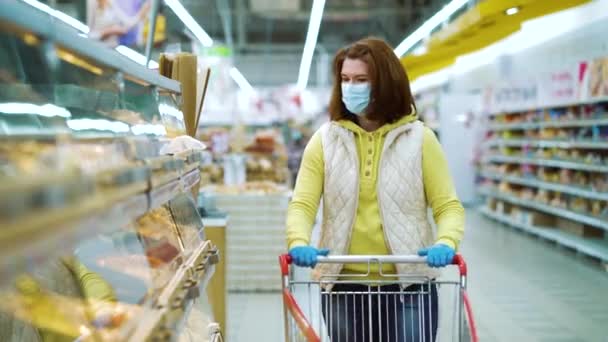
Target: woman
{"type": "Point", "coordinates": [108, 22]}
{"type": "Point", "coordinates": [378, 169]}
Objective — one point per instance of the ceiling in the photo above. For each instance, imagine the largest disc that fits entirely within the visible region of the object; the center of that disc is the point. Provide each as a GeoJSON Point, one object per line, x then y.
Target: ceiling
{"type": "Point", "coordinates": [272, 32]}
{"type": "Point", "coordinates": [280, 26]}
{"type": "Point", "coordinates": [263, 33]}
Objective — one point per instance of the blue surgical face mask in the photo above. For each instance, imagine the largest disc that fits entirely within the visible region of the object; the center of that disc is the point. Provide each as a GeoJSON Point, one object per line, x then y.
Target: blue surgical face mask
{"type": "Point", "coordinates": [356, 97]}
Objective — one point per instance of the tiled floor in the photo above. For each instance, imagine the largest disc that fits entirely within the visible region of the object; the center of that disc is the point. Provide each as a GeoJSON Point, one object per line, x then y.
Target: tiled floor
{"type": "Point", "coordinates": [522, 289]}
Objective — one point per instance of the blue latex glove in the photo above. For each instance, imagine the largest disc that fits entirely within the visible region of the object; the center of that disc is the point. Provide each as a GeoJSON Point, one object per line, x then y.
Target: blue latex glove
{"type": "Point", "coordinates": [306, 256]}
{"type": "Point", "coordinates": [439, 255]}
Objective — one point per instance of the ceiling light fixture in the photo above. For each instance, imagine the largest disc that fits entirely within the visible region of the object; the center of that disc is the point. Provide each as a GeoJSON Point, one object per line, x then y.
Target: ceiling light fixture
{"type": "Point", "coordinates": [47, 110]}
{"type": "Point", "coordinates": [98, 125]}
{"type": "Point", "coordinates": [512, 11]}
{"type": "Point", "coordinates": [425, 29]}
{"type": "Point", "coordinates": [59, 15]}
{"type": "Point", "coordinates": [316, 14]}
{"type": "Point", "coordinates": [241, 80]}
{"type": "Point", "coordinates": [183, 15]}
{"type": "Point", "coordinates": [136, 56]}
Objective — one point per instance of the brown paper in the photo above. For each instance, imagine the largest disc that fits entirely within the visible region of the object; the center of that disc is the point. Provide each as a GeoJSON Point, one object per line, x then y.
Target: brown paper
{"type": "Point", "coordinates": [185, 71]}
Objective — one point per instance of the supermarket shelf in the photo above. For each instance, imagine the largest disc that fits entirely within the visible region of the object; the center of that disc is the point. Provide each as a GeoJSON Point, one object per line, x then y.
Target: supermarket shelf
{"type": "Point", "coordinates": [191, 178]}
{"type": "Point", "coordinates": [564, 213]}
{"type": "Point", "coordinates": [165, 193]}
{"type": "Point", "coordinates": [36, 235]}
{"type": "Point", "coordinates": [595, 145]}
{"type": "Point", "coordinates": [589, 247]}
{"type": "Point", "coordinates": [549, 124]}
{"type": "Point", "coordinates": [579, 102]}
{"type": "Point", "coordinates": [546, 163]}
{"type": "Point", "coordinates": [38, 22]}
{"type": "Point", "coordinates": [532, 182]}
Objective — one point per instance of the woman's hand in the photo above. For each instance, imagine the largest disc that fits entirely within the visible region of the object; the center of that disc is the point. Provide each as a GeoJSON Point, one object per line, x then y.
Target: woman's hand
{"type": "Point", "coordinates": [439, 255]}
{"type": "Point", "coordinates": [306, 256]}
{"type": "Point", "coordinates": [113, 30]}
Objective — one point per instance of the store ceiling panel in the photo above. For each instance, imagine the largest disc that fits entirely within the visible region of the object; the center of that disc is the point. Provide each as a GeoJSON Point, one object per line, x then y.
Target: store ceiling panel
{"type": "Point", "coordinates": [480, 26]}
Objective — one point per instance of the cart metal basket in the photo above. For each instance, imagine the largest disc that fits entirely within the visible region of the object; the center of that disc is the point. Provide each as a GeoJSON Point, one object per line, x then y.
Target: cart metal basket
{"type": "Point", "coordinates": [399, 308]}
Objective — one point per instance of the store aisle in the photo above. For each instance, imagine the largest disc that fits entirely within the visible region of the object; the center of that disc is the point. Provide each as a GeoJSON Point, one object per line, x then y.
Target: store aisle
{"type": "Point", "coordinates": [522, 289]}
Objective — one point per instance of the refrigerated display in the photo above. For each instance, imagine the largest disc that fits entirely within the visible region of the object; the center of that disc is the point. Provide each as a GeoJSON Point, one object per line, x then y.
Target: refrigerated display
{"type": "Point", "coordinates": [101, 238]}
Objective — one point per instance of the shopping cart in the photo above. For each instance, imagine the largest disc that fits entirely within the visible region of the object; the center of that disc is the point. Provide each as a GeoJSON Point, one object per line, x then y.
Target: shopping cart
{"type": "Point", "coordinates": [420, 309]}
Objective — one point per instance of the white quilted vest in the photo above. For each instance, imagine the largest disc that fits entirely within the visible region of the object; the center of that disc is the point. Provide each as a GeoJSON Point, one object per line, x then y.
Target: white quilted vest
{"type": "Point", "coordinates": [401, 196]}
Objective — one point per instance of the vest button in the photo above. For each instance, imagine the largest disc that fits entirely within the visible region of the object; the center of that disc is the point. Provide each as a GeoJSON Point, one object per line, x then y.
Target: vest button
{"type": "Point", "coordinates": [370, 138]}
{"type": "Point", "coordinates": [370, 151]}
{"type": "Point", "coordinates": [369, 162]}
{"type": "Point", "coordinates": [367, 174]}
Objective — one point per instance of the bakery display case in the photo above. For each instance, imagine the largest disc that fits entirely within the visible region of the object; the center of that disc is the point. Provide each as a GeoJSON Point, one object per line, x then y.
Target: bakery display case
{"type": "Point", "coordinates": [101, 239]}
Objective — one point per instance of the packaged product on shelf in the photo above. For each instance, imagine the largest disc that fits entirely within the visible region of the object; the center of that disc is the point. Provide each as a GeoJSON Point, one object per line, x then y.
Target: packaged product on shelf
{"type": "Point", "coordinates": [593, 158]}
{"type": "Point", "coordinates": [188, 222]}
{"type": "Point", "coordinates": [562, 155]}
{"type": "Point", "coordinates": [596, 208]}
{"type": "Point", "coordinates": [503, 169]}
{"type": "Point", "coordinates": [581, 179]}
{"type": "Point", "coordinates": [28, 157]}
{"type": "Point", "coordinates": [62, 300]}
{"type": "Point", "coordinates": [547, 133]}
{"type": "Point", "coordinates": [559, 201]}
{"type": "Point", "coordinates": [565, 176]}
{"type": "Point", "coordinates": [604, 213]}
{"type": "Point", "coordinates": [579, 205]}
{"type": "Point", "coordinates": [526, 171]}
{"type": "Point", "coordinates": [527, 194]}
{"type": "Point", "coordinates": [599, 182]}
{"type": "Point", "coordinates": [542, 196]}
{"type": "Point", "coordinates": [505, 188]}
{"type": "Point", "coordinates": [127, 116]}
{"type": "Point", "coordinates": [160, 239]}
{"type": "Point", "coordinates": [531, 116]}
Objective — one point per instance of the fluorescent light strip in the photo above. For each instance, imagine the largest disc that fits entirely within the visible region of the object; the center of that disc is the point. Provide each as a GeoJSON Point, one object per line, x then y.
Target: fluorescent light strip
{"type": "Point", "coordinates": [148, 129]}
{"type": "Point", "coordinates": [241, 80]}
{"type": "Point", "coordinates": [190, 23]}
{"type": "Point", "coordinates": [59, 15]}
{"type": "Point", "coordinates": [136, 56]}
{"type": "Point", "coordinates": [47, 110]}
{"type": "Point", "coordinates": [99, 125]}
{"type": "Point", "coordinates": [165, 109]}
{"type": "Point", "coordinates": [316, 14]}
{"type": "Point", "coordinates": [512, 11]}
{"type": "Point", "coordinates": [425, 29]}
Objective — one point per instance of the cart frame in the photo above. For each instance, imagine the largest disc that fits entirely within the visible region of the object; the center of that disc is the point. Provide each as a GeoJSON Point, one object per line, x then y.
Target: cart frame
{"type": "Point", "coordinates": [291, 309]}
